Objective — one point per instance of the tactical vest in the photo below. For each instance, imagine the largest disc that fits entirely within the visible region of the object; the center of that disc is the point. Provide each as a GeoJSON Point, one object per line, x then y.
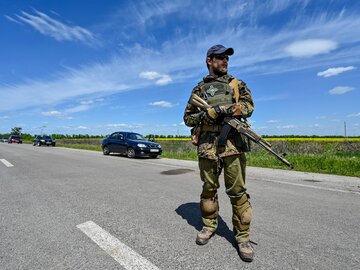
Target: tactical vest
{"type": "Point", "coordinates": [217, 93]}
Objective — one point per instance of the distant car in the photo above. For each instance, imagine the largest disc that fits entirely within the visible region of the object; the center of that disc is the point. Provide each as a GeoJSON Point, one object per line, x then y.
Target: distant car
{"type": "Point", "coordinates": [130, 144]}
{"type": "Point", "coordinates": [44, 140]}
{"type": "Point", "coordinates": [4, 139]}
{"type": "Point", "coordinates": [15, 139]}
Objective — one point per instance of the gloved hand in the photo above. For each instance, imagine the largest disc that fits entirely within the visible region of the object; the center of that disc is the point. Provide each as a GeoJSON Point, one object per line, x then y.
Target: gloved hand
{"type": "Point", "coordinates": [213, 113]}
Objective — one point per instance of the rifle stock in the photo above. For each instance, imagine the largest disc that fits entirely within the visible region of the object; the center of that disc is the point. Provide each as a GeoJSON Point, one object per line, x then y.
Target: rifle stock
{"type": "Point", "coordinates": [242, 127]}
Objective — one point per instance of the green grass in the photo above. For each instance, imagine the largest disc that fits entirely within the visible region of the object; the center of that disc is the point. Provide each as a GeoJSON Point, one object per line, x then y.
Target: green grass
{"type": "Point", "coordinates": [81, 146]}
{"type": "Point", "coordinates": [318, 163]}
{"type": "Point", "coordinates": [318, 157]}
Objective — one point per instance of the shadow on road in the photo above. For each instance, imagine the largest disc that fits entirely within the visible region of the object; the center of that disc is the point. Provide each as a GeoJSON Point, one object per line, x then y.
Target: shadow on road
{"type": "Point", "coordinates": [191, 213]}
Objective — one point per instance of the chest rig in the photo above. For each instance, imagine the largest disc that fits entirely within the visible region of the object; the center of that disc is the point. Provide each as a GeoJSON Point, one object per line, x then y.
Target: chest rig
{"type": "Point", "coordinates": [217, 92]}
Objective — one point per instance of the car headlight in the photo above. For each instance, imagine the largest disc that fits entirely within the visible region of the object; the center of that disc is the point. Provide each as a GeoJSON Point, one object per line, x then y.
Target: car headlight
{"type": "Point", "coordinates": [42, 140]}
{"type": "Point", "coordinates": [159, 146]}
{"type": "Point", "coordinates": [141, 145]}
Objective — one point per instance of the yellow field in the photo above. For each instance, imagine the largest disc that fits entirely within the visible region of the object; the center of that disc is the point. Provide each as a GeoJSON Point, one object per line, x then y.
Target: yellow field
{"type": "Point", "coordinates": [304, 139]}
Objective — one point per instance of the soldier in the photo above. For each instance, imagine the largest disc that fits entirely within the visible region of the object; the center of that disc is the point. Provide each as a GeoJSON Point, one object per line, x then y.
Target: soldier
{"type": "Point", "coordinates": [227, 97]}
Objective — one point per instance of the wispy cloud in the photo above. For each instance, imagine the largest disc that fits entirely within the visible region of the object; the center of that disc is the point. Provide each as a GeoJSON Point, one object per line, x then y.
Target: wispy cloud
{"type": "Point", "coordinates": [286, 127]}
{"type": "Point", "coordinates": [310, 47]}
{"type": "Point", "coordinates": [179, 56]}
{"type": "Point", "coordinates": [334, 71]}
{"type": "Point", "coordinates": [82, 127]}
{"type": "Point", "coordinates": [340, 90]}
{"type": "Point", "coordinates": [160, 79]}
{"type": "Point", "coordinates": [56, 114]}
{"type": "Point", "coordinates": [56, 29]}
{"type": "Point", "coordinates": [163, 104]}
{"type": "Point", "coordinates": [52, 113]}
{"type": "Point", "coordinates": [272, 121]}
{"type": "Point", "coordinates": [354, 115]}
{"type": "Point", "coordinates": [84, 105]}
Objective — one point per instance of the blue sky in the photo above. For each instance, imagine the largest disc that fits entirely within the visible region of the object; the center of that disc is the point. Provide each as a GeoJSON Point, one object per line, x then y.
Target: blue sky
{"type": "Point", "coordinates": [94, 67]}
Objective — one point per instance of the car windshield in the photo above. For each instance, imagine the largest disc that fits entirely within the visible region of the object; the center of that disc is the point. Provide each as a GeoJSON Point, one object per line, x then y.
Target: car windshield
{"type": "Point", "coordinates": [135, 136]}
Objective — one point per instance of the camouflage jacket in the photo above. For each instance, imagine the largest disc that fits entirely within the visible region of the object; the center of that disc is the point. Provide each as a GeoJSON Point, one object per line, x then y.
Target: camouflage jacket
{"type": "Point", "coordinates": [217, 91]}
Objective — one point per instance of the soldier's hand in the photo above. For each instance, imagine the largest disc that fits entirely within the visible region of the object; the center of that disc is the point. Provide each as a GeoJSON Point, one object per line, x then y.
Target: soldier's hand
{"type": "Point", "coordinates": [213, 113]}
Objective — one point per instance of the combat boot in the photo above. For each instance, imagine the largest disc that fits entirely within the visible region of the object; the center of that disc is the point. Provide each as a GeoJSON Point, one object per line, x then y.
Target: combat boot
{"type": "Point", "coordinates": [246, 251]}
{"type": "Point", "coordinates": [203, 236]}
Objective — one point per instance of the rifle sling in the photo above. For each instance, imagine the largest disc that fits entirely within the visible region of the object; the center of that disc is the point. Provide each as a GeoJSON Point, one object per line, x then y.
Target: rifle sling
{"type": "Point", "coordinates": [224, 134]}
{"type": "Point", "coordinates": [225, 130]}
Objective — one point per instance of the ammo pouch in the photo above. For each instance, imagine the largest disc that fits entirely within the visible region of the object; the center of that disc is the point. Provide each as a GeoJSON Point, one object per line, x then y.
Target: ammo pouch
{"type": "Point", "coordinates": [242, 142]}
{"type": "Point", "coordinates": [195, 135]}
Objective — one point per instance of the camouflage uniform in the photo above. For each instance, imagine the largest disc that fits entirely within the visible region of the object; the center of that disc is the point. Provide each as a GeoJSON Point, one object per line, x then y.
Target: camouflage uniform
{"type": "Point", "coordinates": [217, 91]}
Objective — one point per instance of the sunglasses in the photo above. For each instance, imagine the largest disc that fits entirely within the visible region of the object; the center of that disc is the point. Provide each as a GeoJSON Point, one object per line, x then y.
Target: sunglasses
{"type": "Point", "coordinates": [221, 57]}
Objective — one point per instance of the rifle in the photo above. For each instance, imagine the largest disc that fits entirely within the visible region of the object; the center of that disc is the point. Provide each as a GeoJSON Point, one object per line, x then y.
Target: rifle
{"type": "Point", "coordinates": [242, 127]}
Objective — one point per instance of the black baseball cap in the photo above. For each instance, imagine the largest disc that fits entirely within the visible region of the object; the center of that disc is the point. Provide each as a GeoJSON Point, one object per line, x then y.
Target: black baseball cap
{"type": "Point", "coordinates": [219, 49]}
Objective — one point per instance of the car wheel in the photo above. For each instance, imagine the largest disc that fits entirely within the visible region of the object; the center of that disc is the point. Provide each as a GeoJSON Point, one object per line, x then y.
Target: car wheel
{"type": "Point", "coordinates": [130, 152]}
{"type": "Point", "coordinates": [34, 144]}
{"type": "Point", "coordinates": [38, 144]}
{"type": "Point", "coordinates": [106, 150]}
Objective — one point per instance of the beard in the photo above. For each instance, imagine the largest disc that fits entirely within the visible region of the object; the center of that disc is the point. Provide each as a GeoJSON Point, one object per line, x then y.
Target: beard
{"type": "Point", "coordinates": [220, 70]}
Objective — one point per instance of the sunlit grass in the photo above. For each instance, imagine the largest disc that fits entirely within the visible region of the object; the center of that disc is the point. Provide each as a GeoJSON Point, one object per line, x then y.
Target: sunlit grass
{"type": "Point", "coordinates": [320, 155]}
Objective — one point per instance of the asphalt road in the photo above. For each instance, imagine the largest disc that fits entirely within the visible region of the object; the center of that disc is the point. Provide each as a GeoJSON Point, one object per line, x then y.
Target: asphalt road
{"type": "Point", "coordinates": [151, 208]}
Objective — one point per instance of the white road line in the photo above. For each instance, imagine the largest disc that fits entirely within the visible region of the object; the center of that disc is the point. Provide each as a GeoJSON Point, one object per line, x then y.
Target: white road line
{"type": "Point", "coordinates": [6, 163]}
{"type": "Point", "coordinates": [310, 186]}
{"type": "Point", "coordinates": [124, 255]}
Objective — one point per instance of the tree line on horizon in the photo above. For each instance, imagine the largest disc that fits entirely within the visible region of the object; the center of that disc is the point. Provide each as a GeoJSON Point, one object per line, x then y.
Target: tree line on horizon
{"type": "Point", "coordinates": [27, 136]}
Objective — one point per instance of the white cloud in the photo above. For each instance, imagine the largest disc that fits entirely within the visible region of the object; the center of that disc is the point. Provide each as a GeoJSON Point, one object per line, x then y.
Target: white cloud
{"type": "Point", "coordinates": [164, 80]}
{"type": "Point", "coordinates": [189, 45]}
{"type": "Point", "coordinates": [340, 90]}
{"type": "Point", "coordinates": [164, 104]}
{"type": "Point", "coordinates": [354, 115]}
{"type": "Point", "coordinates": [334, 71]}
{"type": "Point", "coordinates": [161, 79]}
{"type": "Point", "coordinates": [82, 127]}
{"type": "Point", "coordinates": [86, 102]}
{"type": "Point", "coordinates": [54, 28]}
{"type": "Point", "coordinates": [286, 127]}
{"type": "Point", "coordinates": [52, 113]}
{"type": "Point", "coordinates": [310, 47]}
{"type": "Point", "coordinates": [4, 117]}
{"type": "Point", "coordinates": [273, 121]}
{"type": "Point", "coordinates": [149, 75]}
{"type": "Point", "coordinates": [57, 114]}
{"type": "Point", "coordinates": [79, 108]}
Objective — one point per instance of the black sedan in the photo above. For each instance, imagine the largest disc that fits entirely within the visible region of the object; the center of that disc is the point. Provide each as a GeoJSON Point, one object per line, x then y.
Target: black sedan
{"type": "Point", "coordinates": [44, 140]}
{"type": "Point", "coordinates": [130, 144]}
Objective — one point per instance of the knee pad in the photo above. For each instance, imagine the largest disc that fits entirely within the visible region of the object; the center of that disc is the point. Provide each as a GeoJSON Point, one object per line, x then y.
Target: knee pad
{"type": "Point", "coordinates": [242, 211]}
{"type": "Point", "coordinates": [209, 205]}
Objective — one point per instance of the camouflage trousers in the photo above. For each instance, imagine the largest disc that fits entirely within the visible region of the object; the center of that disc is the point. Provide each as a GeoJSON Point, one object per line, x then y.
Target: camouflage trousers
{"type": "Point", "coordinates": [234, 176]}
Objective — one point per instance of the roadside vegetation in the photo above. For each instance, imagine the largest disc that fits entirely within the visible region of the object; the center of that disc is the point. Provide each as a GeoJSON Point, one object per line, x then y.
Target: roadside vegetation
{"type": "Point", "coordinates": [320, 155]}
{"type": "Point", "coordinates": [329, 154]}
